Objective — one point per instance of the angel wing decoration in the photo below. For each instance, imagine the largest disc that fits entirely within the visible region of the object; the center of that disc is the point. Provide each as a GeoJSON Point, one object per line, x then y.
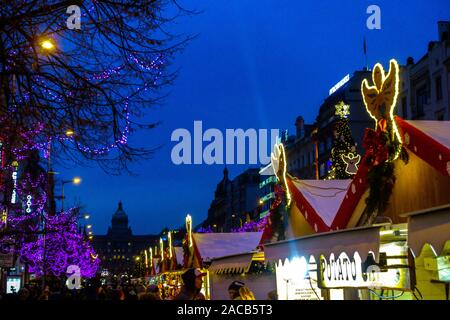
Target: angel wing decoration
{"type": "Point", "coordinates": [381, 98]}
{"type": "Point", "coordinates": [352, 162]}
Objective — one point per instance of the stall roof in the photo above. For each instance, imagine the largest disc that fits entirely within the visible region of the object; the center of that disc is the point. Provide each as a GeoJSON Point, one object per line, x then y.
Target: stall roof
{"type": "Point", "coordinates": [436, 130]}
{"type": "Point", "coordinates": [329, 204]}
{"type": "Point", "coordinates": [431, 226]}
{"type": "Point", "coordinates": [325, 196]}
{"type": "Point", "coordinates": [215, 245]}
{"type": "Point", "coordinates": [362, 240]}
{"type": "Point", "coordinates": [239, 263]}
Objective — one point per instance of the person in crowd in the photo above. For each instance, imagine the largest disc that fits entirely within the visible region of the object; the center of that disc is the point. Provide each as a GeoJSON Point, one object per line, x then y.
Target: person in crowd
{"type": "Point", "coordinates": [45, 293]}
{"type": "Point", "coordinates": [192, 285]}
{"type": "Point", "coordinates": [246, 293]}
{"type": "Point", "coordinates": [152, 293]}
{"type": "Point", "coordinates": [272, 295]}
{"type": "Point", "coordinates": [24, 294]}
{"type": "Point", "coordinates": [239, 291]}
{"type": "Point", "coordinates": [233, 290]}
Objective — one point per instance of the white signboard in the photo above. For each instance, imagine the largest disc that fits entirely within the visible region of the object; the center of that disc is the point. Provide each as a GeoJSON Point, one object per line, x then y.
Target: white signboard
{"type": "Point", "coordinates": [347, 272]}
{"type": "Point", "coordinates": [13, 284]}
{"type": "Point", "coordinates": [295, 282]}
{"type": "Point", "coordinates": [340, 84]}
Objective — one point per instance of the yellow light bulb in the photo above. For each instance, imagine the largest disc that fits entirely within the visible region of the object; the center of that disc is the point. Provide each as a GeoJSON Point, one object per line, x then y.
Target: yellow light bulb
{"type": "Point", "coordinates": [47, 45]}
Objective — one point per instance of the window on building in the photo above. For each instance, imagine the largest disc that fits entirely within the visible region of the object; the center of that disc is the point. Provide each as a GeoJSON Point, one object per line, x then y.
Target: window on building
{"type": "Point", "coordinates": [404, 108]}
{"type": "Point", "coordinates": [438, 88]}
{"type": "Point", "coordinates": [421, 100]}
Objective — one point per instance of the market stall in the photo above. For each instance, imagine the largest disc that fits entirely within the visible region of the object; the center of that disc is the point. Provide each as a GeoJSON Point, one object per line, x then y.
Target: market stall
{"type": "Point", "coordinates": [249, 268]}
{"type": "Point", "coordinates": [405, 168]}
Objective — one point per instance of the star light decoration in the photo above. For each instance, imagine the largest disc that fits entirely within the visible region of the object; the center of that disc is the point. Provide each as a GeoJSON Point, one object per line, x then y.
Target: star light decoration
{"type": "Point", "coordinates": [342, 110]}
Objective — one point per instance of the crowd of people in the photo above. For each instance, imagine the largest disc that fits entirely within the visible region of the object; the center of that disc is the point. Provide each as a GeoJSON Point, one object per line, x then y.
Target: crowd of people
{"type": "Point", "coordinates": [190, 290]}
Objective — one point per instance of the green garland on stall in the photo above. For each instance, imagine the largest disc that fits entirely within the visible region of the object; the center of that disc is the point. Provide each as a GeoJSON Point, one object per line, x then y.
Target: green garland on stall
{"type": "Point", "coordinates": [382, 152]}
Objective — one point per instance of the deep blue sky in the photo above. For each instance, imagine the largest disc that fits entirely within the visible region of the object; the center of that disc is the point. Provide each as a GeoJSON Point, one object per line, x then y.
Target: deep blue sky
{"type": "Point", "coordinates": [255, 64]}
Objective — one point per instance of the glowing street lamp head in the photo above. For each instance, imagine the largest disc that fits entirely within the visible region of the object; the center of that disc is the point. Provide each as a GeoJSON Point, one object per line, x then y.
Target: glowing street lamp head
{"type": "Point", "coordinates": [70, 132]}
{"type": "Point", "coordinates": [89, 226]}
{"type": "Point", "coordinates": [76, 180]}
{"type": "Point", "coordinates": [86, 216]}
{"type": "Point", "coordinates": [47, 44]}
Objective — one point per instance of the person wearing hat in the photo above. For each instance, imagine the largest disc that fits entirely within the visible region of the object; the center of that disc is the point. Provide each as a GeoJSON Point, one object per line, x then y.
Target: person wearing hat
{"type": "Point", "coordinates": [233, 290]}
{"type": "Point", "coordinates": [192, 284]}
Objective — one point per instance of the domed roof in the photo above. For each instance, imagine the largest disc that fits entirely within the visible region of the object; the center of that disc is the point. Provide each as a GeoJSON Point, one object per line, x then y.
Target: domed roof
{"type": "Point", "coordinates": [120, 215]}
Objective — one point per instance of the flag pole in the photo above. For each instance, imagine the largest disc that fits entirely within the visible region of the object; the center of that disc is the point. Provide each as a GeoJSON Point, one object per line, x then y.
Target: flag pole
{"type": "Point", "coordinates": [365, 53]}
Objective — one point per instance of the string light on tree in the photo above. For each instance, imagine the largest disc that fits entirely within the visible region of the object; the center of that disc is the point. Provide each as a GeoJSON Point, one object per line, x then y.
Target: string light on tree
{"type": "Point", "coordinates": [343, 146]}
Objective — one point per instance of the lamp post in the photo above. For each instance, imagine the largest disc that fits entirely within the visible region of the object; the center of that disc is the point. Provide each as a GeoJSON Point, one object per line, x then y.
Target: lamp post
{"type": "Point", "coordinates": [75, 181]}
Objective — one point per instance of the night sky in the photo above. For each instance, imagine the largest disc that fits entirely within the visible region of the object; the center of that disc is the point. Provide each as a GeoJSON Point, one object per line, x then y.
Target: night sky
{"type": "Point", "coordinates": [255, 64]}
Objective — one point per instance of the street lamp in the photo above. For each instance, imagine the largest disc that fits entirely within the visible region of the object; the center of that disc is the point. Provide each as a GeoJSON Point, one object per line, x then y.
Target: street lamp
{"type": "Point", "coordinates": [75, 181]}
{"type": "Point", "coordinates": [47, 44]}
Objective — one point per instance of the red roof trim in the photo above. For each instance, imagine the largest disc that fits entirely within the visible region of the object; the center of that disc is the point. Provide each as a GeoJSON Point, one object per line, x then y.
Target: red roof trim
{"type": "Point", "coordinates": [425, 147]}
{"type": "Point", "coordinates": [431, 151]}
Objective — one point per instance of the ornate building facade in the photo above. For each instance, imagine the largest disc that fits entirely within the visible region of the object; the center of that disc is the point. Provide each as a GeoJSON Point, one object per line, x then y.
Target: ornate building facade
{"type": "Point", "coordinates": [119, 247]}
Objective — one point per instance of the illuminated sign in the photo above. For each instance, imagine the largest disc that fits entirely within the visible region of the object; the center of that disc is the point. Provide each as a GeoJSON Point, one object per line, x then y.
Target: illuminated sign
{"type": "Point", "coordinates": [348, 272]}
{"type": "Point", "coordinates": [271, 179]}
{"type": "Point", "coordinates": [28, 209]}
{"type": "Point", "coordinates": [13, 284]}
{"type": "Point", "coordinates": [296, 280]}
{"type": "Point", "coordinates": [14, 179]}
{"type": "Point", "coordinates": [340, 84]}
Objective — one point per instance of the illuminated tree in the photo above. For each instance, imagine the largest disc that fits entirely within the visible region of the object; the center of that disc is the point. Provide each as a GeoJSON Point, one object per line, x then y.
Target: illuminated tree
{"type": "Point", "coordinates": [83, 91]}
{"type": "Point", "coordinates": [343, 145]}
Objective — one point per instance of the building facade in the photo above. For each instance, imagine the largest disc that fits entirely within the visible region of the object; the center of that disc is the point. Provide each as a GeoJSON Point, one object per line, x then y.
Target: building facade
{"type": "Point", "coordinates": [119, 247]}
{"type": "Point", "coordinates": [300, 151]}
{"type": "Point", "coordinates": [425, 85]}
{"type": "Point", "coordinates": [235, 201]}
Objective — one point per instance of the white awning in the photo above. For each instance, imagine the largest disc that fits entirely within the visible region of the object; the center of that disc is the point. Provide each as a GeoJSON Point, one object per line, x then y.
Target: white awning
{"type": "Point", "coordinates": [179, 254]}
{"type": "Point", "coordinates": [216, 245]}
{"type": "Point", "coordinates": [231, 264]}
{"type": "Point", "coordinates": [362, 240]}
{"type": "Point", "coordinates": [431, 226]}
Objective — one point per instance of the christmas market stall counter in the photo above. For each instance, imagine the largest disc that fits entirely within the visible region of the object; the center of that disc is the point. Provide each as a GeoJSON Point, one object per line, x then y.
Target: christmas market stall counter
{"type": "Point", "coordinates": [360, 263]}
{"type": "Point", "coordinates": [249, 268]}
{"type": "Point", "coordinates": [429, 242]}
